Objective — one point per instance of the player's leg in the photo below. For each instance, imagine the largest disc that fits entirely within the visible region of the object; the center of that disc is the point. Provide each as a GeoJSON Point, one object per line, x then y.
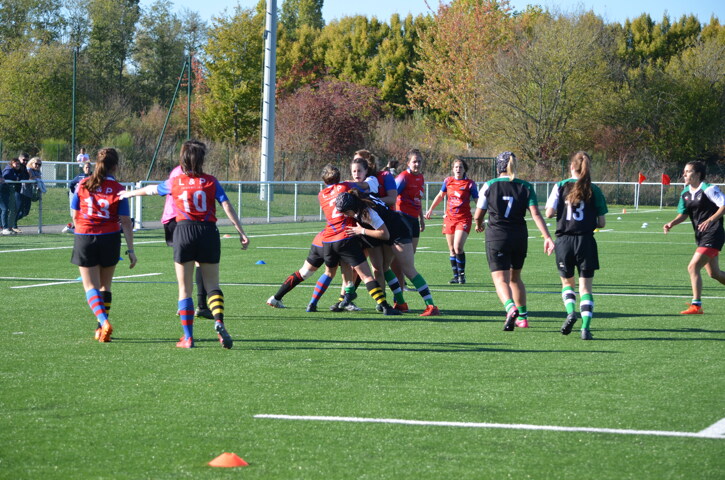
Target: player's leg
{"type": "Point", "coordinates": [291, 282]}
{"type": "Point", "coordinates": [459, 241]}
{"type": "Point", "coordinates": [404, 254]}
{"type": "Point", "coordinates": [586, 305]}
{"type": "Point", "coordinates": [698, 261]}
{"type": "Point", "coordinates": [502, 284]}
{"type": "Point", "coordinates": [374, 289]}
{"type": "Point", "coordinates": [568, 296]}
{"type": "Point", "coordinates": [712, 267]}
{"type": "Point", "coordinates": [452, 257]}
{"type": "Point", "coordinates": [185, 279]}
{"type": "Point", "coordinates": [210, 276]}
{"type": "Point", "coordinates": [91, 279]}
{"type": "Point", "coordinates": [323, 282]}
{"type": "Point", "coordinates": [202, 309]}
{"type": "Point", "coordinates": [518, 291]}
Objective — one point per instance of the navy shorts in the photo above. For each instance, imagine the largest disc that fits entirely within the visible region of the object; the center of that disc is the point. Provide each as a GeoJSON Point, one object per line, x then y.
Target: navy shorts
{"type": "Point", "coordinates": [169, 228]}
{"type": "Point", "coordinates": [196, 242]}
{"type": "Point", "coordinates": [413, 223]}
{"type": "Point", "coordinates": [348, 250]}
{"type": "Point", "coordinates": [96, 250]}
{"type": "Point", "coordinates": [316, 257]}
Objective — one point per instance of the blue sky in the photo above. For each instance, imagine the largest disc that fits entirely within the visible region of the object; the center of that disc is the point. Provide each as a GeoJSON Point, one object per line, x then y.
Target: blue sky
{"type": "Point", "coordinates": [610, 10]}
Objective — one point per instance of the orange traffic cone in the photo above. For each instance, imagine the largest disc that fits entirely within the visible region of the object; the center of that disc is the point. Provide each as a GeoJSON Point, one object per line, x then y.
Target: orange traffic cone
{"type": "Point", "coordinates": [228, 460]}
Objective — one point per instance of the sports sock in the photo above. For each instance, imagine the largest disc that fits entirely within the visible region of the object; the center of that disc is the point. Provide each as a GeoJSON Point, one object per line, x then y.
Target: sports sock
{"type": "Point", "coordinates": [216, 305]}
{"type": "Point", "coordinates": [523, 312]}
{"type": "Point", "coordinates": [395, 287]}
{"type": "Point", "coordinates": [95, 301]}
{"type": "Point", "coordinates": [320, 287]}
{"type": "Point", "coordinates": [461, 262]}
{"type": "Point", "coordinates": [508, 305]}
{"type": "Point", "coordinates": [569, 297]}
{"type": "Point", "coordinates": [454, 265]}
{"type": "Point", "coordinates": [200, 291]}
{"type": "Point", "coordinates": [291, 282]}
{"type": "Point", "coordinates": [697, 302]}
{"type": "Point", "coordinates": [423, 290]}
{"type": "Point", "coordinates": [376, 292]}
{"type": "Point", "coordinates": [586, 307]}
{"type": "Point", "coordinates": [186, 312]}
{"type": "Point", "coordinates": [107, 300]}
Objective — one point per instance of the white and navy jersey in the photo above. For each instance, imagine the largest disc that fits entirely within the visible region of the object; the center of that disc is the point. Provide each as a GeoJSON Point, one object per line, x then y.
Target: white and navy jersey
{"type": "Point", "coordinates": [700, 204]}
{"type": "Point", "coordinates": [506, 202]}
{"type": "Point", "coordinates": [580, 219]}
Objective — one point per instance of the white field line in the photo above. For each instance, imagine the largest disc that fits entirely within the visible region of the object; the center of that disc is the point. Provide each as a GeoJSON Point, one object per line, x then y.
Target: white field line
{"type": "Point", "coordinates": [63, 282]}
{"type": "Point", "coordinates": [707, 433]}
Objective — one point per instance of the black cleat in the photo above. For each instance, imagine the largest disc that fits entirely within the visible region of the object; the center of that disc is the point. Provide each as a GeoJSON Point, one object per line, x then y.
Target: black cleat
{"type": "Point", "coordinates": [586, 334]}
{"type": "Point", "coordinates": [335, 307]}
{"type": "Point", "coordinates": [568, 323]}
{"type": "Point", "coordinates": [379, 308]}
{"type": "Point", "coordinates": [224, 338]}
{"type": "Point", "coordinates": [462, 279]}
{"type": "Point", "coordinates": [204, 313]}
{"type": "Point", "coordinates": [455, 279]}
{"type": "Point", "coordinates": [510, 322]}
{"type": "Point", "coordinates": [311, 308]}
{"type": "Point", "coordinates": [388, 311]}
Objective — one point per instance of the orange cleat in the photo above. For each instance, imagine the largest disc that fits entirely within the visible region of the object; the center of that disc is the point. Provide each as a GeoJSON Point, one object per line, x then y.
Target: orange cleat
{"type": "Point", "coordinates": [185, 342]}
{"type": "Point", "coordinates": [430, 311]}
{"type": "Point", "coordinates": [403, 307]}
{"type": "Point", "coordinates": [98, 334]}
{"type": "Point", "coordinates": [106, 331]}
{"type": "Point", "coordinates": [693, 310]}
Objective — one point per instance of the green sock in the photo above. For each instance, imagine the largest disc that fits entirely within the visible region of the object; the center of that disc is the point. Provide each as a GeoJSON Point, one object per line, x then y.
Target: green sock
{"type": "Point", "coordinates": [508, 305]}
{"type": "Point", "coordinates": [586, 307]}
{"type": "Point", "coordinates": [423, 290]}
{"type": "Point", "coordinates": [523, 313]}
{"type": "Point", "coordinates": [394, 285]}
{"type": "Point", "coordinates": [569, 297]}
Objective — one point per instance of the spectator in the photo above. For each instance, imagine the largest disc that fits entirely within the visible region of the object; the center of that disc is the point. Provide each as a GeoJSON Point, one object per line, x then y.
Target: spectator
{"type": "Point", "coordinates": [22, 203]}
{"type": "Point", "coordinates": [83, 157]}
{"type": "Point", "coordinates": [85, 172]}
{"type": "Point", "coordinates": [11, 173]}
{"type": "Point", "coordinates": [5, 204]}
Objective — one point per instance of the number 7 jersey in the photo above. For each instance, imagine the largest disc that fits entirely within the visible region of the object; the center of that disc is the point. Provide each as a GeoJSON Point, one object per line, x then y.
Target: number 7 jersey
{"type": "Point", "coordinates": [194, 196]}
{"type": "Point", "coordinates": [506, 202]}
{"type": "Point", "coordinates": [578, 219]}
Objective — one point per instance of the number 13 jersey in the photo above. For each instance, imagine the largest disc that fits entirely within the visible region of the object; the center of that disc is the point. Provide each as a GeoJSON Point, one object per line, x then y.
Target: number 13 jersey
{"type": "Point", "coordinates": [578, 219]}
{"type": "Point", "coordinates": [99, 210]}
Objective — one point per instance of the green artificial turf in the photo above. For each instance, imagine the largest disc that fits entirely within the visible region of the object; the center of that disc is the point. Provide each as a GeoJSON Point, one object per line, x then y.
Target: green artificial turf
{"type": "Point", "coordinates": [140, 408]}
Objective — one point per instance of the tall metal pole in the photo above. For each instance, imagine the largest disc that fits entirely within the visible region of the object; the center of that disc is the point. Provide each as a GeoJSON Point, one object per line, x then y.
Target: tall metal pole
{"type": "Point", "coordinates": [188, 102]}
{"type": "Point", "coordinates": [73, 109]}
{"type": "Point", "coordinates": [266, 164]}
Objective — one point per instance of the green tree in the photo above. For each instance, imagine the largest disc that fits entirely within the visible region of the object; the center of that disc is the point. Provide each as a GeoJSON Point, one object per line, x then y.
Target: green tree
{"type": "Point", "coordinates": [298, 13]}
{"type": "Point", "coordinates": [234, 53]}
{"type": "Point", "coordinates": [22, 22]}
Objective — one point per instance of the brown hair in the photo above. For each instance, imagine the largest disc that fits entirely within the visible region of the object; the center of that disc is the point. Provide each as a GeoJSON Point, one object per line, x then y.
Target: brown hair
{"type": "Point", "coordinates": [330, 174]}
{"type": "Point", "coordinates": [371, 158]}
{"type": "Point", "coordinates": [362, 161]}
{"type": "Point", "coordinates": [698, 167]}
{"type": "Point", "coordinates": [581, 163]}
{"type": "Point", "coordinates": [106, 163]}
{"type": "Point", "coordinates": [191, 158]}
{"type": "Point", "coordinates": [462, 162]}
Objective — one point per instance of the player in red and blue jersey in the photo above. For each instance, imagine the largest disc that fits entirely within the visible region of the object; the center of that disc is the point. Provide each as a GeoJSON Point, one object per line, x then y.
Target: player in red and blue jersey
{"type": "Point", "coordinates": [100, 217]}
{"type": "Point", "coordinates": [196, 237]}
{"type": "Point", "coordinates": [459, 191]}
{"type": "Point", "coordinates": [704, 204]}
{"type": "Point", "coordinates": [506, 199]}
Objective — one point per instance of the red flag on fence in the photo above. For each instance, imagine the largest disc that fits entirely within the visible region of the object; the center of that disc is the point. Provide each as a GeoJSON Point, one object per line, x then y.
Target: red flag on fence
{"type": "Point", "coordinates": [665, 179]}
{"type": "Point", "coordinates": [642, 178]}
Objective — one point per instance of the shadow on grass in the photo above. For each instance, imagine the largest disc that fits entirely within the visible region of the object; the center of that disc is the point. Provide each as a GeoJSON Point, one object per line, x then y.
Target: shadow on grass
{"type": "Point", "coordinates": [395, 346]}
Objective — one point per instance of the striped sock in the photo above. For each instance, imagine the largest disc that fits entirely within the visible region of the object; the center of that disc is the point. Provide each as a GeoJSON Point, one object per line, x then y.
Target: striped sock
{"type": "Point", "coordinates": [523, 312]}
{"type": "Point", "coordinates": [376, 292]}
{"type": "Point", "coordinates": [461, 262]}
{"type": "Point", "coordinates": [290, 282]}
{"type": "Point", "coordinates": [423, 290]}
{"type": "Point", "coordinates": [107, 300]}
{"type": "Point", "coordinates": [569, 297]}
{"type": "Point", "coordinates": [395, 287]}
{"type": "Point", "coordinates": [186, 312]}
{"type": "Point", "coordinates": [697, 302]}
{"type": "Point", "coordinates": [320, 287]}
{"type": "Point", "coordinates": [508, 305]}
{"type": "Point", "coordinates": [216, 305]}
{"type": "Point", "coordinates": [95, 301]}
{"type": "Point", "coordinates": [454, 265]}
{"type": "Point", "coordinates": [586, 307]}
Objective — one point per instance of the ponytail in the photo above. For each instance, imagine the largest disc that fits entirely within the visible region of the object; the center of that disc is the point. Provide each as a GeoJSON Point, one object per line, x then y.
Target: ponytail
{"type": "Point", "coordinates": [106, 163]}
{"type": "Point", "coordinates": [581, 163]}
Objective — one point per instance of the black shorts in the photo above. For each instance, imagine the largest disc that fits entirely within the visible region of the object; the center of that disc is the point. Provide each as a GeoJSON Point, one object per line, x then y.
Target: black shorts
{"type": "Point", "coordinates": [196, 242]}
{"type": "Point", "coordinates": [413, 223]}
{"type": "Point", "coordinates": [711, 239]}
{"type": "Point", "coordinates": [400, 229]}
{"type": "Point", "coordinates": [316, 257]}
{"type": "Point", "coordinates": [96, 250]}
{"type": "Point", "coordinates": [348, 250]}
{"type": "Point", "coordinates": [169, 232]}
{"type": "Point", "coordinates": [506, 254]}
{"type": "Point", "coordinates": [370, 242]}
{"type": "Point", "coordinates": [578, 251]}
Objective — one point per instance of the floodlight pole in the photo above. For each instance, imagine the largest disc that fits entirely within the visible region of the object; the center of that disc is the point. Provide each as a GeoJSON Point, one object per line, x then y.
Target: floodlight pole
{"type": "Point", "coordinates": [266, 163]}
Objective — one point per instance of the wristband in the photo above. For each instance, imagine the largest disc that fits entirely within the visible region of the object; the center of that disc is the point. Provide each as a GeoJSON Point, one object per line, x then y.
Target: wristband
{"type": "Point", "coordinates": [129, 251]}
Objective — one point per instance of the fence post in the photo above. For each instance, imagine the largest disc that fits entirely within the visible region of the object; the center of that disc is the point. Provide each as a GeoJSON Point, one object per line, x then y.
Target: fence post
{"type": "Point", "coordinates": [239, 199]}
{"type": "Point", "coordinates": [296, 188]}
{"type": "Point", "coordinates": [138, 208]}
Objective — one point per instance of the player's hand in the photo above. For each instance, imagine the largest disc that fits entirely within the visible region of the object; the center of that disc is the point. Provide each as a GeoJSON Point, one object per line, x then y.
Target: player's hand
{"type": "Point", "coordinates": [666, 227]}
{"type": "Point", "coordinates": [133, 259]}
{"type": "Point", "coordinates": [704, 225]}
{"type": "Point", "coordinates": [244, 240]}
{"type": "Point", "coordinates": [422, 225]}
{"type": "Point", "coordinates": [124, 194]}
{"type": "Point", "coordinates": [427, 215]}
{"type": "Point", "coordinates": [548, 246]}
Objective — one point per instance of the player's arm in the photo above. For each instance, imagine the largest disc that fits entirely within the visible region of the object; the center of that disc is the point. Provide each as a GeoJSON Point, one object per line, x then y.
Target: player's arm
{"type": "Point", "coordinates": [714, 218]}
{"type": "Point", "coordinates": [478, 215]}
{"type": "Point", "coordinates": [139, 192]}
{"type": "Point", "coordinates": [541, 224]}
{"type": "Point", "coordinates": [232, 215]}
{"type": "Point", "coordinates": [127, 228]}
{"type": "Point", "coordinates": [681, 217]}
{"type": "Point", "coordinates": [434, 204]}
{"type": "Point", "coordinates": [601, 221]}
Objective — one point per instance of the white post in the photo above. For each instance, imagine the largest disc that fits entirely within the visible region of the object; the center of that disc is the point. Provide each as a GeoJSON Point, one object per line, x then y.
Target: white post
{"type": "Point", "coordinates": [266, 165]}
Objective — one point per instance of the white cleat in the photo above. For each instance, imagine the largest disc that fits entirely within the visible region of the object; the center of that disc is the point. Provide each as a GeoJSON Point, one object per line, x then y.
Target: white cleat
{"type": "Point", "coordinates": [273, 302]}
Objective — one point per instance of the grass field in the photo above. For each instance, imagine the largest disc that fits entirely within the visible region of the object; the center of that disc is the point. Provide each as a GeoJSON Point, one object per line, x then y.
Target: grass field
{"type": "Point", "coordinates": [71, 408]}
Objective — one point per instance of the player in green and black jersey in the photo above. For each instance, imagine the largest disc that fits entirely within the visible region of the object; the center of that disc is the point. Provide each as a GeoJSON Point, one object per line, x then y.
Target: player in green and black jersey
{"type": "Point", "coordinates": [579, 207]}
{"type": "Point", "coordinates": [704, 204]}
{"type": "Point", "coordinates": [506, 199]}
